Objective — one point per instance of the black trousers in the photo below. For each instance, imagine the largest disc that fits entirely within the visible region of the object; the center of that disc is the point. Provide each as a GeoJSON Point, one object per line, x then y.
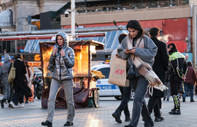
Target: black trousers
{"type": "Point", "coordinates": [154, 103]}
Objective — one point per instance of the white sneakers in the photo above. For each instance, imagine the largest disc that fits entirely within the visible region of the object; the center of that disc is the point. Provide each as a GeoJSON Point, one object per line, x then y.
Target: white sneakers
{"type": "Point", "coordinates": [12, 105]}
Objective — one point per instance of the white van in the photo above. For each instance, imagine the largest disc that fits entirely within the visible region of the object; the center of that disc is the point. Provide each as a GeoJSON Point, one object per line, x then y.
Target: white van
{"type": "Point", "coordinates": [105, 88]}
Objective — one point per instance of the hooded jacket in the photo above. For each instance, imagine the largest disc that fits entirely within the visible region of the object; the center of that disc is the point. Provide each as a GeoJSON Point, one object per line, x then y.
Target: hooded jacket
{"type": "Point", "coordinates": [62, 66]}
{"type": "Point", "coordinates": [6, 64]}
{"type": "Point", "coordinates": [178, 63]}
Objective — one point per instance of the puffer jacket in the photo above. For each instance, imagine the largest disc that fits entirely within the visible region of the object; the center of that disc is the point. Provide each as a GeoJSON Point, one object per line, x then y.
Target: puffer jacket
{"type": "Point", "coordinates": [62, 67]}
{"type": "Point", "coordinates": [4, 69]}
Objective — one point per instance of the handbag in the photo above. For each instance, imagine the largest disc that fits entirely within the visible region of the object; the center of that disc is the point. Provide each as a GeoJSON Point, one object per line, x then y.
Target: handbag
{"type": "Point", "coordinates": [117, 75]}
{"type": "Point", "coordinates": [12, 74]}
{"type": "Point", "coordinates": [131, 74]}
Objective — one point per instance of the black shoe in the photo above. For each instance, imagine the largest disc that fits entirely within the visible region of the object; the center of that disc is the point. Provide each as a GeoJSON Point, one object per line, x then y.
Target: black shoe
{"type": "Point", "coordinates": [68, 124]}
{"type": "Point", "coordinates": [117, 117]}
{"type": "Point", "coordinates": [10, 106]}
{"type": "Point", "coordinates": [128, 126]}
{"type": "Point", "coordinates": [148, 124]}
{"type": "Point", "coordinates": [159, 119]}
{"type": "Point", "coordinates": [47, 123]}
{"type": "Point", "coordinates": [183, 99]}
{"type": "Point", "coordinates": [175, 112]}
{"type": "Point", "coordinates": [127, 118]}
{"type": "Point", "coordinates": [2, 103]}
{"type": "Point", "coordinates": [192, 100]}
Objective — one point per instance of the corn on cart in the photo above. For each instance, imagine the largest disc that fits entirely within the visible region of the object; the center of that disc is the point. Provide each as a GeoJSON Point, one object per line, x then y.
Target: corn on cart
{"type": "Point", "coordinates": [84, 89]}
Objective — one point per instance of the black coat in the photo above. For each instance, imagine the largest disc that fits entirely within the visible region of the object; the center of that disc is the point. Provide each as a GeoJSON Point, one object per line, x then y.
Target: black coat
{"type": "Point", "coordinates": [160, 65]}
{"type": "Point", "coordinates": [20, 82]}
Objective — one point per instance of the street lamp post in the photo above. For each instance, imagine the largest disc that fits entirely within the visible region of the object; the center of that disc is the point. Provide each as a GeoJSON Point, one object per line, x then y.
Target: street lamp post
{"type": "Point", "coordinates": [73, 19]}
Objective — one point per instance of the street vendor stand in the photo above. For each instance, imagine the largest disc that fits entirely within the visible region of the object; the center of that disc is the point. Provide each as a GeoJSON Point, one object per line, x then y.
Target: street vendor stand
{"type": "Point", "coordinates": [84, 89]}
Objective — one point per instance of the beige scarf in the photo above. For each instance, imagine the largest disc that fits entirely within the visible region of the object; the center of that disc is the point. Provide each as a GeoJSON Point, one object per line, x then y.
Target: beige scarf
{"type": "Point", "coordinates": [144, 68]}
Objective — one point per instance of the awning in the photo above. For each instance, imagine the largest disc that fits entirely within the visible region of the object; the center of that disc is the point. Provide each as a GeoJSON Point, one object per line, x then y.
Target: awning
{"type": "Point", "coordinates": [6, 18]}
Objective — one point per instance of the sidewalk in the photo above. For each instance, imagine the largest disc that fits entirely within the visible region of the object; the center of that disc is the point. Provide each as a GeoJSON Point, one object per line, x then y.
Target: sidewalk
{"type": "Point", "coordinates": [32, 115]}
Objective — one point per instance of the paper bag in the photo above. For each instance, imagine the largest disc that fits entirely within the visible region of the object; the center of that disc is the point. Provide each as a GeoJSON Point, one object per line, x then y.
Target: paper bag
{"type": "Point", "coordinates": [118, 72]}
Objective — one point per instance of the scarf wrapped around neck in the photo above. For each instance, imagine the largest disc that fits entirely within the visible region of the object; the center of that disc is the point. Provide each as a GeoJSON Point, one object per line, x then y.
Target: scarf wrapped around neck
{"type": "Point", "coordinates": [144, 68]}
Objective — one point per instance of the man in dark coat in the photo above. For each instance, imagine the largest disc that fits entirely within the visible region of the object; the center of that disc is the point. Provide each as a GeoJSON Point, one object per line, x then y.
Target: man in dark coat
{"type": "Point", "coordinates": [160, 67]}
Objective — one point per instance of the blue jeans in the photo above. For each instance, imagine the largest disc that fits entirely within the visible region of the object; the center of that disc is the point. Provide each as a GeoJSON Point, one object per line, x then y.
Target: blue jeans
{"type": "Point", "coordinates": [139, 105]}
{"type": "Point", "coordinates": [189, 87]}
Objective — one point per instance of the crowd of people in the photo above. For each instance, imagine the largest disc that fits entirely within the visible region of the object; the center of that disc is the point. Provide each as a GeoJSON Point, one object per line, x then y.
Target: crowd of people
{"type": "Point", "coordinates": [19, 91]}
{"type": "Point", "coordinates": [168, 64]}
{"type": "Point", "coordinates": [165, 60]}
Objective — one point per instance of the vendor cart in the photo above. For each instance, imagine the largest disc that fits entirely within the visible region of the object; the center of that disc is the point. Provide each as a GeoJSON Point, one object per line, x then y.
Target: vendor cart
{"type": "Point", "coordinates": [84, 89]}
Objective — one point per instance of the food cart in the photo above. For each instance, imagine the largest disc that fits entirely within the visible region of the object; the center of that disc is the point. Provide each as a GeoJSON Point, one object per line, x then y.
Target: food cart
{"type": "Point", "coordinates": [84, 89]}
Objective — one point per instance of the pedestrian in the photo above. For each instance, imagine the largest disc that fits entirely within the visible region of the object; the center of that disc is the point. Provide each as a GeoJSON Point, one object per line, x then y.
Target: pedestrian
{"type": "Point", "coordinates": [177, 75]}
{"type": "Point", "coordinates": [29, 78]}
{"type": "Point", "coordinates": [4, 71]}
{"type": "Point", "coordinates": [61, 64]}
{"type": "Point", "coordinates": [160, 67]}
{"type": "Point", "coordinates": [20, 83]}
{"type": "Point", "coordinates": [167, 84]}
{"type": "Point", "coordinates": [189, 82]}
{"type": "Point", "coordinates": [125, 93]}
{"type": "Point", "coordinates": [136, 44]}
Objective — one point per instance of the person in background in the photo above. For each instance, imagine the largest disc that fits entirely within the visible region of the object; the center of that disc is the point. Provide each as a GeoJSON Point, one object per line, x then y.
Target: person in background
{"type": "Point", "coordinates": [177, 75]}
{"type": "Point", "coordinates": [29, 77]}
{"type": "Point", "coordinates": [4, 71]}
{"type": "Point", "coordinates": [61, 64]}
{"type": "Point", "coordinates": [160, 67]}
{"type": "Point", "coordinates": [139, 45]}
{"type": "Point", "coordinates": [125, 92]}
{"type": "Point", "coordinates": [189, 82]}
{"type": "Point", "coordinates": [20, 83]}
{"type": "Point", "coordinates": [167, 84]}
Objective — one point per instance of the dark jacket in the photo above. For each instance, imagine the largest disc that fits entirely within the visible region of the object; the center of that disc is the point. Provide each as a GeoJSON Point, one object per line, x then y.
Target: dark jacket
{"type": "Point", "coordinates": [62, 67]}
{"type": "Point", "coordinates": [160, 65]}
{"type": "Point", "coordinates": [190, 76]}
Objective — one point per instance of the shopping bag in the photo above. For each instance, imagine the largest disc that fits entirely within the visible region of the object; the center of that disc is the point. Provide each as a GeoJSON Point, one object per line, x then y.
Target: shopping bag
{"type": "Point", "coordinates": [12, 74]}
{"type": "Point", "coordinates": [118, 74]}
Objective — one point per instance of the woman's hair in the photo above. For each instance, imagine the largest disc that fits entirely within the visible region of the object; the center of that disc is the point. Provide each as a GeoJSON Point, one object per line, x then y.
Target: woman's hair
{"type": "Point", "coordinates": [136, 25]}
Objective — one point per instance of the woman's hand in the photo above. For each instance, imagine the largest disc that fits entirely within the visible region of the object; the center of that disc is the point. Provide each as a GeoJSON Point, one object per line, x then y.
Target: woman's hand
{"type": "Point", "coordinates": [62, 52]}
{"type": "Point", "coordinates": [129, 51]}
{"type": "Point", "coordinates": [54, 51]}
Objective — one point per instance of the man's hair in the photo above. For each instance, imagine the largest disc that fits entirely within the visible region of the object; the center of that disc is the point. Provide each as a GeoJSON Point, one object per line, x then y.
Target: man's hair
{"type": "Point", "coordinates": [189, 63]}
{"type": "Point", "coordinates": [121, 37]}
{"type": "Point", "coordinates": [154, 31]}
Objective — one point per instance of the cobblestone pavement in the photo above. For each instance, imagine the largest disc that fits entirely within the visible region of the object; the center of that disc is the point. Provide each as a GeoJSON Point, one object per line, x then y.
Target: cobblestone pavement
{"type": "Point", "coordinates": [32, 115]}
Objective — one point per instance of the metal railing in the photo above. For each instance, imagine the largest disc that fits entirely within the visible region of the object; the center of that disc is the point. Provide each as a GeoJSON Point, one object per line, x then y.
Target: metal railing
{"type": "Point", "coordinates": [128, 6]}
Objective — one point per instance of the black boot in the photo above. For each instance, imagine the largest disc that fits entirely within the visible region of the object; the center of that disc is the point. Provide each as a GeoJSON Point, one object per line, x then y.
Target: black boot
{"type": "Point", "coordinates": [175, 112]}
{"type": "Point", "coordinates": [47, 123]}
{"type": "Point", "coordinates": [116, 115]}
{"type": "Point", "coordinates": [2, 103]}
{"type": "Point", "coordinates": [127, 118]}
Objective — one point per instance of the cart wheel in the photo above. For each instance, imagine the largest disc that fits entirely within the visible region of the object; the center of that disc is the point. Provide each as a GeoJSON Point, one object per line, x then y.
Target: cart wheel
{"type": "Point", "coordinates": [96, 98]}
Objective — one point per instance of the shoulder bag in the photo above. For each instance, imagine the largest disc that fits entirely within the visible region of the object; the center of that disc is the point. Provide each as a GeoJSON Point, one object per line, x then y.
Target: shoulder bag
{"type": "Point", "coordinates": [12, 74]}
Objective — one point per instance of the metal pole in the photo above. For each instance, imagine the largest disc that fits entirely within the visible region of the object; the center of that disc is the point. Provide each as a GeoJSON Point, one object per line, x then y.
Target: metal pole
{"type": "Point", "coordinates": [73, 19]}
